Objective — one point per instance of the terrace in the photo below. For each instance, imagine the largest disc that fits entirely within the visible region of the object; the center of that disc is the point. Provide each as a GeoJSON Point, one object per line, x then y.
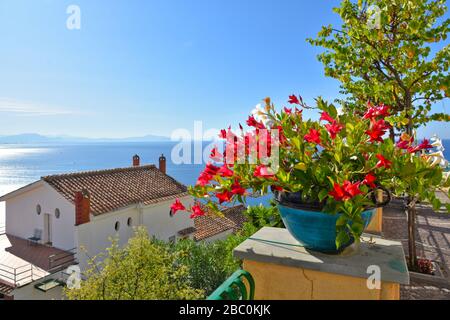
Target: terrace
{"type": "Point", "coordinates": [22, 263]}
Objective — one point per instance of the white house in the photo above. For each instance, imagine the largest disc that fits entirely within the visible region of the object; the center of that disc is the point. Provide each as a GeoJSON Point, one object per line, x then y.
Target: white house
{"type": "Point", "coordinates": [78, 213]}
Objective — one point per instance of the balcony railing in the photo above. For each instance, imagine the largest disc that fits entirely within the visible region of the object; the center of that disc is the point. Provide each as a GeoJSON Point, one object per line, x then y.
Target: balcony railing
{"type": "Point", "coordinates": [234, 288]}
{"type": "Point", "coordinates": [20, 275]}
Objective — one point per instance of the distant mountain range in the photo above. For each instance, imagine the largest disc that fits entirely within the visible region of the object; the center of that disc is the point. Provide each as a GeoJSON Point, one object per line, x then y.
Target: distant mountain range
{"type": "Point", "coordinates": [34, 138]}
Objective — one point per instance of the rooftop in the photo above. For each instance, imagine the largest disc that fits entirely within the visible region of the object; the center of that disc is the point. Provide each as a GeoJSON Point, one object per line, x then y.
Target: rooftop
{"type": "Point", "coordinates": [118, 188]}
{"type": "Point", "coordinates": [208, 226]}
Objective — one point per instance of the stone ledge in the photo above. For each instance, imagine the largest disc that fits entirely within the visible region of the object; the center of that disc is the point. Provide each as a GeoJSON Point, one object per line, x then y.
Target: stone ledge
{"type": "Point", "coordinates": [277, 246]}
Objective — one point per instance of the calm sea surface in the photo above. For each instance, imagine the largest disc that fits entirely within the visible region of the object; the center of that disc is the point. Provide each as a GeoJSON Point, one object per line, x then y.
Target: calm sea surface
{"type": "Point", "coordinates": [23, 164]}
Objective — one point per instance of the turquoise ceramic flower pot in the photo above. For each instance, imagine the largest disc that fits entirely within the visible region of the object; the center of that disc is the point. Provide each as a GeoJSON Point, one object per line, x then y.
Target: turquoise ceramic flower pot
{"type": "Point", "coordinates": [316, 230]}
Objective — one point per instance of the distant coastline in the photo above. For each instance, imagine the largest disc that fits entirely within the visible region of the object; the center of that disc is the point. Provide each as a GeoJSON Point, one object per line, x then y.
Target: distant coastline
{"type": "Point", "coordinates": [34, 138]}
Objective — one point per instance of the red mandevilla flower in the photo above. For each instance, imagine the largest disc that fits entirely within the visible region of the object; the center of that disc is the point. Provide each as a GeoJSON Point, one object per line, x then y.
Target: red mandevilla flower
{"type": "Point", "coordinates": [333, 129]}
{"type": "Point", "coordinates": [251, 122]}
{"type": "Point", "coordinates": [313, 136]}
{"type": "Point", "coordinates": [293, 99]}
{"type": "Point", "coordinates": [224, 196]}
{"type": "Point", "coordinates": [324, 116]}
{"type": "Point", "coordinates": [374, 112]}
{"type": "Point", "coordinates": [369, 180]}
{"type": "Point", "coordinates": [237, 189]}
{"type": "Point", "coordinates": [225, 172]}
{"type": "Point", "coordinates": [177, 206]}
{"type": "Point", "coordinates": [223, 134]}
{"type": "Point", "coordinates": [262, 171]}
{"type": "Point", "coordinates": [424, 145]}
{"type": "Point", "coordinates": [383, 162]}
{"type": "Point", "coordinates": [377, 130]}
{"type": "Point", "coordinates": [197, 211]}
{"type": "Point", "coordinates": [347, 191]}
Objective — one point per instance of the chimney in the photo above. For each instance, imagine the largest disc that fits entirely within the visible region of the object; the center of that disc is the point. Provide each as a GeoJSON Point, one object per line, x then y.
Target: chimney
{"type": "Point", "coordinates": [82, 207]}
{"type": "Point", "coordinates": [136, 161]}
{"type": "Point", "coordinates": [162, 164]}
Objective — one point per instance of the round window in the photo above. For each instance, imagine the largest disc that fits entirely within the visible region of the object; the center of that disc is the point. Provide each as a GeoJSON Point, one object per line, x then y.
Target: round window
{"type": "Point", "coordinates": [117, 226]}
{"type": "Point", "coordinates": [57, 213]}
{"type": "Point", "coordinates": [38, 209]}
{"type": "Point", "coordinates": [130, 222]}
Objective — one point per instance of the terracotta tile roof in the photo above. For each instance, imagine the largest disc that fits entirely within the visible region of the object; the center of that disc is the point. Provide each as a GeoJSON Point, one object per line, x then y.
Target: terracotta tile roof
{"type": "Point", "coordinates": [209, 225]}
{"type": "Point", "coordinates": [118, 188]}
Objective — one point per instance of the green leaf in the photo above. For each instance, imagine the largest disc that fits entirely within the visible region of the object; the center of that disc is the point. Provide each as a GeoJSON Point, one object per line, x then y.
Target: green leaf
{"type": "Point", "coordinates": [322, 194]}
{"type": "Point", "coordinates": [301, 166]}
{"type": "Point", "coordinates": [342, 238]}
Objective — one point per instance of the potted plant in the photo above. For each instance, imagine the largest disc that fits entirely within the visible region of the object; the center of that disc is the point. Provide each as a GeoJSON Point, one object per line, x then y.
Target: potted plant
{"type": "Point", "coordinates": [323, 173]}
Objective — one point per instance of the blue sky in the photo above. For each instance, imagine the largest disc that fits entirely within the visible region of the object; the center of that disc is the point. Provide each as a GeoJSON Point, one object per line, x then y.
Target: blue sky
{"type": "Point", "coordinates": [149, 67]}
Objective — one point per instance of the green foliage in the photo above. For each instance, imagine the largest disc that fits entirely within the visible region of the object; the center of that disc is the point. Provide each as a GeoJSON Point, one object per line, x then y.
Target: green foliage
{"type": "Point", "coordinates": [145, 269]}
{"type": "Point", "coordinates": [393, 64]}
{"type": "Point", "coordinates": [262, 216]}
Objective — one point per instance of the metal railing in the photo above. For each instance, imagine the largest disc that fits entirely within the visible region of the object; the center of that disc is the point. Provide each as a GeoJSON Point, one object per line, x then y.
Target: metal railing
{"type": "Point", "coordinates": [234, 288]}
{"type": "Point", "coordinates": [19, 275]}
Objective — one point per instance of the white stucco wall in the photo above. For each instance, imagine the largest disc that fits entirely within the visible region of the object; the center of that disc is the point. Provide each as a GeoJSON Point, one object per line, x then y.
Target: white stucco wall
{"type": "Point", "coordinates": [161, 225]}
{"type": "Point", "coordinates": [21, 217]}
{"type": "Point", "coordinates": [96, 235]}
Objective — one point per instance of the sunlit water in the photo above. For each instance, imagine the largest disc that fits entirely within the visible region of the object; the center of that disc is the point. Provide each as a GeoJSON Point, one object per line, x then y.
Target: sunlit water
{"type": "Point", "coordinates": [24, 164]}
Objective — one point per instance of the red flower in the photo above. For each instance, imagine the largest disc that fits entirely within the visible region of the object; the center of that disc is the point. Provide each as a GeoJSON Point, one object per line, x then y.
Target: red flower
{"type": "Point", "coordinates": [425, 145]}
{"type": "Point", "coordinates": [334, 128]}
{"type": "Point", "coordinates": [224, 196]}
{"type": "Point", "coordinates": [383, 162]}
{"type": "Point", "coordinates": [373, 112]}
{"type": "Point", "coordinates": [287, 110]}
{"type": "Point", "coordinates": [251, 122]}
{"type": "Point", "coordinates": [369, 180]}
{"type": "Point", "coordinates": [204, 179]}
{"type": "Point", "coordinates": [208, 174]}
{"type": "Point", "coordinates": [225, 172]}
{"type": "Point", "coordinates": [262, 171]}
{"type": "Point", "coordinates": [326, 117]}
{"type": "Point", "coordinates": [277, 188]}
{"type": "Point", "coordinates": [223, 134]}
{"type": "Point", "coordinates": [236, 188]}
{"type": "Point", "coordinates": [352, 189]}
{"type": "Point", "coordinates": [347, 191]}
{"type": "Point", "coordinates": [211, 169]}
{"type": "Point", "coordinates": [338, 193]}
{"type": "Point", "coordinates": [313, 136]}
{"type": "Point", "coordinates": [216, 155]}
{"type": "Point", "coordinates": [177, 206]}
{"type": "Point", "coordinates": [197, 211]}
{"type": "Point", "coordinates": [293, 99]}
{"type": "Point", "coordinates": [377, 130]}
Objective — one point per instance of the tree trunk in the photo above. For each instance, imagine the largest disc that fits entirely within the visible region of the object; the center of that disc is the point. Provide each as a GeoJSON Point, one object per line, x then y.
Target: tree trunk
{"type": "Point", "coordinates": [412, 253]}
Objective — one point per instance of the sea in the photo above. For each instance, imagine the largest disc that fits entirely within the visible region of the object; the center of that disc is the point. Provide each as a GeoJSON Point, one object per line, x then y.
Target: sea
{"type": "Point", "coordinates": [21, 164]}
